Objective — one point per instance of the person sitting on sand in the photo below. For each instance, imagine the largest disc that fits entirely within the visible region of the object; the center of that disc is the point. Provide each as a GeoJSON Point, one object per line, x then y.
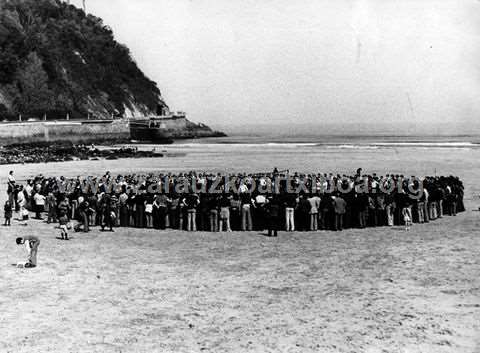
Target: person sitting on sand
{"type": "Point", "coordinates": [31, 244]}
{"type": "Point", "coordinates": [8, 213]}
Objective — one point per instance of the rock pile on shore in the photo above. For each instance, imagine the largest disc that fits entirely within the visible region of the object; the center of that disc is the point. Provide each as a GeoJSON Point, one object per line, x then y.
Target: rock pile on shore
{"type": "Point", "coordinates": [44, 153]}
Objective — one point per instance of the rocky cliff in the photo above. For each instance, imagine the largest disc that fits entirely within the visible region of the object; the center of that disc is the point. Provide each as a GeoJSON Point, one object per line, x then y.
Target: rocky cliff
{"type": "Point", "coordinates": [55, 59]}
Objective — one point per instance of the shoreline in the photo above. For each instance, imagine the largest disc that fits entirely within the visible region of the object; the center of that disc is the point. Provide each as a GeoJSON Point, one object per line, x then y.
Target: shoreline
{"type": "Point", "coordinates": [48, 153]}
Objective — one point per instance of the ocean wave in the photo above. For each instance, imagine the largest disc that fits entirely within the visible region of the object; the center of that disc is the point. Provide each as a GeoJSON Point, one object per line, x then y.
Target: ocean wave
{"type": "Point", "coordinates": [370, 145]}
{"type": "Point", "coordinates": [352, 147]}
{"type": "Point", "coordinates": [428, 144]}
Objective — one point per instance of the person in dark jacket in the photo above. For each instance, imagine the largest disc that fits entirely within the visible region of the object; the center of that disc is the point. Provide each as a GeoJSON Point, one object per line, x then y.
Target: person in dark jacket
{"type": "Point", "coordinates": [191, 202]}
{"type": "Point", "coordinates": [139, 202]}
{"type": "Point", "coordinates": [272, 210]}
{"type": "Point", "coordinates": [203, 212]}
{"type": "Point", "coordinates": [7, 208]}
{"type": "Point", "coordinates": [326, 210]}
{"type": "Point", "coordinates": [174, 211]}
{"type": "Point", "coordinates": [84, 210]}
{"type": "Point", "coordinates": [123, 199]}
{"type": "Point", "coordinates": [159, 210]}
{"type": "Point", "coordinates": [303, 214]}
{"type": "Point", "coordinates": [290, 203]}
{"type": "Point", "coordinates": [362, 204]}
{"type": "Point", "coordinates": [340, 207]}
{"type": "Point", "coordinates": [109, 215]}
{"type": "Point", "coordinates": [224, 218]}
{"type": "Point", "coordinates": [212, 204]}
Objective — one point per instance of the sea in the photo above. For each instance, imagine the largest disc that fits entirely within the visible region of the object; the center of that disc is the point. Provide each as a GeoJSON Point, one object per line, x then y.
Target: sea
{"type": "Point", "coordinates": [336, 136]}
{"type": "Point", "coordinates": [419, 152]}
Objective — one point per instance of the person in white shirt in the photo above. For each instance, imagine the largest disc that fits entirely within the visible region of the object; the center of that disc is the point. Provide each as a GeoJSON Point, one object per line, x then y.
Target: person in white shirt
{"type": "Point", "coordinates": [11, 189]}
{"type": "Point", "coordinates": [39, 201]}
{"type": "Point", "coordinates": [314, 202]}
{"type": "Point", "coordinates": [28, 194]}
{"type": "Point", "coordinates": [21, 202]}
{"type": "Point", "coordinates": [426, 216]}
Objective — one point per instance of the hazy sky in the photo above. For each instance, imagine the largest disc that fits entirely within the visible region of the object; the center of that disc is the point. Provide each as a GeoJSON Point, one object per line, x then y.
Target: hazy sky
{"type": "Point", "coordinates": [235, 61]}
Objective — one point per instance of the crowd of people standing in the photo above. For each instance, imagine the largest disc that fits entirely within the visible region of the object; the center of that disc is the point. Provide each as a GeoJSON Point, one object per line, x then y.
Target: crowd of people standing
{"type": "Point", "coordinates": [263, 201]}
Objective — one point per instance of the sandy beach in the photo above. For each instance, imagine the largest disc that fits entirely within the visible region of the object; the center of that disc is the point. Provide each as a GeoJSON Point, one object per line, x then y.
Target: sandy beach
{"type": "Point", "coordinates": [372, 290]}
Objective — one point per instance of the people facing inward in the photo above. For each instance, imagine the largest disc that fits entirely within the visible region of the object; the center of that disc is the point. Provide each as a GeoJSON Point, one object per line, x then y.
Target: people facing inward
{"type": "Point", "coordinates": [31, 245]}
{"type": "Point", "coordinates": [325, 202]}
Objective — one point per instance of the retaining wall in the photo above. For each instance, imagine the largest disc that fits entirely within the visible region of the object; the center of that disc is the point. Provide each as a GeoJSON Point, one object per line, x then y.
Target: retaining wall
{"type": "Point", "coordinates": [74, 131]}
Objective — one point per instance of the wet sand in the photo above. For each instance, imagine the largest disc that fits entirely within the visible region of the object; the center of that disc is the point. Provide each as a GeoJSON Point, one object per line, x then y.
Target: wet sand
{"type": "Point", "coordinates": [373, 290]}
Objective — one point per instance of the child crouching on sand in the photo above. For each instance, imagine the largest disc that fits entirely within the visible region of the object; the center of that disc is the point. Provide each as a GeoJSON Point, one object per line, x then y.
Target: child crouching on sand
{"type": "Point", "coordinates": [8, 213]}
{"type": "Point", "coordinates": [64, 226]}
{"type": "Point", "coordinates": [31, 244]}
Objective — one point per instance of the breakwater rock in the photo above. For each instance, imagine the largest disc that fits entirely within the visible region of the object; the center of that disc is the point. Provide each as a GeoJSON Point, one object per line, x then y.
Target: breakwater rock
{"type": "Point", "coordinates": [44, 153]}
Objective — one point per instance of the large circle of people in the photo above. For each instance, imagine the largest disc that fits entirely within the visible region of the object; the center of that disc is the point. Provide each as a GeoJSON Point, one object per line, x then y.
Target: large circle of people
{"type": "Point", "coordinates": [274, 201]}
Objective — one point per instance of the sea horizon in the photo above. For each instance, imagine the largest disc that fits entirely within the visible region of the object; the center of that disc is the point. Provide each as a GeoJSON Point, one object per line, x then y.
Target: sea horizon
{"type": "Point", "coordinates": [349, 136]}
{"type": "Point", "coordinates": [322, 133]}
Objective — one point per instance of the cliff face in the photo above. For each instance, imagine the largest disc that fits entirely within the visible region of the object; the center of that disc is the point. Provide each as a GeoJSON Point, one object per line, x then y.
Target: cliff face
{"type": "Point", "coordinates": [55, 59]}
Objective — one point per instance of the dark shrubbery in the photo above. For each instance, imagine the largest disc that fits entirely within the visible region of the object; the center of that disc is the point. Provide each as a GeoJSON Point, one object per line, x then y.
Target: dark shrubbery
{"type": "Point", "coordinates": [53, 57]}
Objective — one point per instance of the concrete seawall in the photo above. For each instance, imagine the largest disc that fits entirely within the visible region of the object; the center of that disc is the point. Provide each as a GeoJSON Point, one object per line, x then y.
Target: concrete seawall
{"type": "Point", "coordinates": [92, 130]}
{"type": "Point", "coordinates": [74, 131]}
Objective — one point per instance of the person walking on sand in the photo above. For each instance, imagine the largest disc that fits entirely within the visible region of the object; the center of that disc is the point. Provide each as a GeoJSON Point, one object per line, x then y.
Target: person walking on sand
{"type": "Point", "coordinates": [31, 245]}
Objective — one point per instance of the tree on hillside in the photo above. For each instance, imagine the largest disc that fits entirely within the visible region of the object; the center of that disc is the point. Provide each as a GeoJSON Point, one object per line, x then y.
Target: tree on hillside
{"type": "Point", "coordinates": [56, 58]}
{"type": "Point", "coordinates": [32, 84]}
